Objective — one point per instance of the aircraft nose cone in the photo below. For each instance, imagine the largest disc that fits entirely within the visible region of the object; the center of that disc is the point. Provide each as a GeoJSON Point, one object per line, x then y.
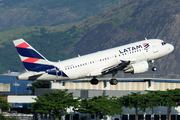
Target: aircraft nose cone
{"type": "Point", "coordinates": [171, 48]}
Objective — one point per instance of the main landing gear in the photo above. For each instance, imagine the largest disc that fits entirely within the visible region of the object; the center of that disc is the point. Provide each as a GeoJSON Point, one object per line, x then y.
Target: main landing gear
{"type": "Point", "coordinates": [94, 81]}
{"type": "Point", "coordinates": [113, 81]}
{"type": "Point", "coordinates": [152, 63]}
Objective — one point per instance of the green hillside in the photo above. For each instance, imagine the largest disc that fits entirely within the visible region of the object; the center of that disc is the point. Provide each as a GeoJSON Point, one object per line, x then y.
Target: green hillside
{"type": "Point", "coordinates": [53, 44]}
{"type": "Point", "coordinates": [64, 41]}
{"type": "Point", "coordinates": [24, 13]}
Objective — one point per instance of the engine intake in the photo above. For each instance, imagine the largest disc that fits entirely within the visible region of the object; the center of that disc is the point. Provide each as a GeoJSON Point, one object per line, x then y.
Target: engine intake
{"type": "Point", "coordinates": [138, 67]}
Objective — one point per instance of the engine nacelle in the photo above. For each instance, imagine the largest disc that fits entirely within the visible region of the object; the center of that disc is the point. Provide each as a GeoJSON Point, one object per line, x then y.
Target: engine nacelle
{"type": "Point", "coordinates": [138, 67]}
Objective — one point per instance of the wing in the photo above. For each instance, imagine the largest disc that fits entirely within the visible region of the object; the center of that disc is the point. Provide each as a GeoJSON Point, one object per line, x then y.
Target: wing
{"type": "Point", "coordinates": [129, 66]}
{"type": "Point", "coordinates": [115, 67]}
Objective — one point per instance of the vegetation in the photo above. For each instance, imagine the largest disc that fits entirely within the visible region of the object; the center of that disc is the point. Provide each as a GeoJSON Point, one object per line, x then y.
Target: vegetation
{"type": "Point", "coordinates": [45, 12]}
{"type": "Point", "coordinates": [129, 29]}
{"type": "Point", "coordinates": [59, 43]}
{"type": "Point", "coordinates": [4, 105]}
{"type": "Point", "coordinates": [139, 101]}
{"type": "Point", "coordinates": [169, 98]}
{"type": "Point", "coordinates": [100, 105]}
{"type": "Point", "coordinates": [133, 100]}
{"type": "Point", "coordinates": [123, 16]}
{"type": "Point", "coordinates": [55, 103]}
{"type": "Point", "coordinates": [39, 84]}
{"type": "Point", "coordinates": [44, 39]}
{"type": "Point", "coordinates": [3, 118]}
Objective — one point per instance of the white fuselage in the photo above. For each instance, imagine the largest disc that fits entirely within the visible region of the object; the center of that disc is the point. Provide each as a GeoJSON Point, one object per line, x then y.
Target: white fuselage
{"type": "Point", "coordinates": [92, 64]}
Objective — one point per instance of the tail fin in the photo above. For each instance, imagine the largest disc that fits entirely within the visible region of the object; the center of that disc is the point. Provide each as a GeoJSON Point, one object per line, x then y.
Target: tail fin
{"type": "Point", "coordinates": [32, 59]}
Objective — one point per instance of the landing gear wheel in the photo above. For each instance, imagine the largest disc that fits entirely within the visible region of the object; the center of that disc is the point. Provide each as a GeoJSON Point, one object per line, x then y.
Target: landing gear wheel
{"type": "Point", "coordinates": [113, 81]}
{"type": "Point", "coordinates": [152, 63]}
{"type": "Point", "coordinates": [154, 69]}
{"type": "Point", "coordinates": [94, 81]}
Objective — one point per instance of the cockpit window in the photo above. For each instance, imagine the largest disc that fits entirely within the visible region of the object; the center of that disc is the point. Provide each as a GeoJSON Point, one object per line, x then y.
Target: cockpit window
{"type": "Point", "coordinates": [163, 43]}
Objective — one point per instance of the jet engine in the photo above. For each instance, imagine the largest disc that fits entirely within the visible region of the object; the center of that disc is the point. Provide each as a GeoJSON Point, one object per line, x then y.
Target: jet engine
{"type": "Point", "coordinates": [138, 67]}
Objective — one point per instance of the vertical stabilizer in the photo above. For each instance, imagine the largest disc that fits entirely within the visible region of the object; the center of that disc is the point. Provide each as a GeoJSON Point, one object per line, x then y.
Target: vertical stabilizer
{"type": "Point", "coordinates": [32, 59]}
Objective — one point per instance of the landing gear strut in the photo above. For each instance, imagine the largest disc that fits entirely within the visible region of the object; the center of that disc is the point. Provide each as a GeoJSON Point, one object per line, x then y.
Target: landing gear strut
{"type": "Point", "coordinates": [152, 63]}
{"type": "Point", "coordinates": [113, 81]}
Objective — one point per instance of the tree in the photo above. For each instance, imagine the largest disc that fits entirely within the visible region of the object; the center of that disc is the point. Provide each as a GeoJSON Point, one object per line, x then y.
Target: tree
{"type": "Point", "coordinates": [100, 105]}
{"type": "Point", "coordinates": [10, 118]}
{"type": "Point", "coordinates": [39, 84]}
{"type": "Point", "coordinates": [55, 103]}
{"type": "Point", "coordinates": [136, 100]}
{"type": "Point", "coordinates": [167, 98]}
{"type": "Point", "coordinates": [4, 105]}
{"type": "Point", "coordinates": [115, 105]}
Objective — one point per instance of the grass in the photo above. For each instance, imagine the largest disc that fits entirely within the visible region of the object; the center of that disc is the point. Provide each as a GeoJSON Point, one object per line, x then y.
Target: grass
{"type": "Point", "coordinates": [9, 35]}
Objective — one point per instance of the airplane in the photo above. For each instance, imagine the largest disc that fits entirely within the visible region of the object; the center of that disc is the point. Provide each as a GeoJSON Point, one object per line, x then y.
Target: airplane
{"type": "Point", "coordinates": [132, 58]}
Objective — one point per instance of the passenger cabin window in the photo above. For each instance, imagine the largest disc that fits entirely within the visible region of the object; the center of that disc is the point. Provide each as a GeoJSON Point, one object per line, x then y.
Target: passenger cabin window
{"type": "Point", "coordinates": [163, 43]}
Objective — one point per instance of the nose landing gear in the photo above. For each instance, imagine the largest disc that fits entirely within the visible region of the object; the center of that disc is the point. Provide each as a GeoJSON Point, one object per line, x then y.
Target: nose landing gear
{"type": "Point", "coordinates": [153, 68]}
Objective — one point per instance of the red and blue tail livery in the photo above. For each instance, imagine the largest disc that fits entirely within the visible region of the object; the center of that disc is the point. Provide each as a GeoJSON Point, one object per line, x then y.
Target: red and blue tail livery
{"type": "Point", "coordinates": [33, 60]}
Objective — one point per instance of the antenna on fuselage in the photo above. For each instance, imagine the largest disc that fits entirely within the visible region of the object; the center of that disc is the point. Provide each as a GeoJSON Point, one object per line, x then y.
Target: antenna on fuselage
{"type": "Point", "coordinates": [79, 55]}
{"type": "Point", "coordinates": [145, 38]}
